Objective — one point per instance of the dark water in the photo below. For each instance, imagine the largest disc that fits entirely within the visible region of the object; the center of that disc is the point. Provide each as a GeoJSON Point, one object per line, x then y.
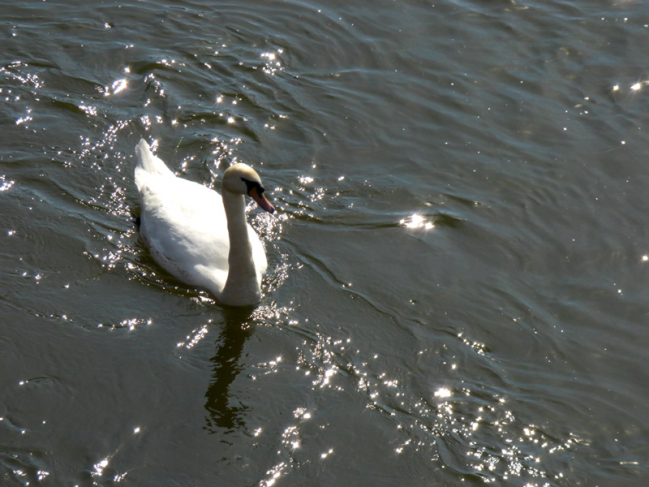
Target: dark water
{"type": "Point", "coordinates": [457, 287]}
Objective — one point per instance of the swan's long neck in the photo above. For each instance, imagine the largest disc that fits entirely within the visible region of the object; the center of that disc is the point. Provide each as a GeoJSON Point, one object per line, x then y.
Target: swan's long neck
{"type": "Point", "coordinates": [242, 286]}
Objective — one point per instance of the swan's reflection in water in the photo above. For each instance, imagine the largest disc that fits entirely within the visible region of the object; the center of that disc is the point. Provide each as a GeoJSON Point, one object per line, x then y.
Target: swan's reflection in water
{"type": "Point", "coordinates": [223, 414]}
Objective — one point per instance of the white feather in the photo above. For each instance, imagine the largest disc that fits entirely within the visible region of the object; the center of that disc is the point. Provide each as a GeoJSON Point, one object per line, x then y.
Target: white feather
{"type": "Point", "coordinates": [185, 226]}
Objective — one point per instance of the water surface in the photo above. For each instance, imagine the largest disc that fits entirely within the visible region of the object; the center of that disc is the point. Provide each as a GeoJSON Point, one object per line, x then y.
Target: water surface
{"type": "Point", "coordinates": [457, 280]}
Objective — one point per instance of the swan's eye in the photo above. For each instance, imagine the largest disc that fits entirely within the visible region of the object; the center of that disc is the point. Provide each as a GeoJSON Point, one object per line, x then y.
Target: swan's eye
{"type": "Point", "coordinates": [253, 184]}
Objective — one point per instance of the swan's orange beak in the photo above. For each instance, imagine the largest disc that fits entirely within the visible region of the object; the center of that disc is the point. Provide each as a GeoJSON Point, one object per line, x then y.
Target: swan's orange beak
{"type": "Point", "coordinates": [261, 200]}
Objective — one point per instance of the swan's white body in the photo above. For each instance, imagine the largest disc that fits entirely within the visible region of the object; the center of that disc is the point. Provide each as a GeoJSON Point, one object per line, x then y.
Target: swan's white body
{"type": "Point", "coordinates": [198, 236]}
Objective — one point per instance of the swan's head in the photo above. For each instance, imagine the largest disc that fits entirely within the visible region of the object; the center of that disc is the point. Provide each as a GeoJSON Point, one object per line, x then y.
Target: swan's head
{"type": "Point", "coordinates": [242, 179]}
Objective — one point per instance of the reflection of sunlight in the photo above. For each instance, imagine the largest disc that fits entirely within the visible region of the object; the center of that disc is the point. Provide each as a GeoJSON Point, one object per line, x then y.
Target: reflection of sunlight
{"type": "Point", "coordinates": [99, 467]}
{"type": "Point", "coordinates": [24, 78]}
{"type": "Point", "coordinates": [288, 438]}
{"type": "Point", "coordinates": [301, 413]}
{"type": "Point", "coordinates": [443, 392]}
{"type": "Point", "coordinates": [117, 86]}
{"type": "Point", "coordinates": [416, 221]}
{"type": "Point", "coordinates": [274, 473]}
{"type": "Point", "coordinates": [92, 111]}
{"type": "Point", "coordinates": [4, 184]}
{"type": "Point", "coordinates": [327, 453]}
{"type": "Point", "coordinates": [198, 335]}
{"type": "Point", "coordinates": [634, 87]}
{"type": "Point", "coordinates": [272, 64]}
{"type": "Point", "coordinates": [400, 449]}
{"type": "Point", "coordinates": [24, 119]}
{"type": "Point", "coordinates": [637, 86]}
{"type": "Point", "coordinates": [131, 324]}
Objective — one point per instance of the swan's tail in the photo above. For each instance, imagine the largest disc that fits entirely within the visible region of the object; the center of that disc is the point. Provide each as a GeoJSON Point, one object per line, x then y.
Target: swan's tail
{"type": "Point", "coordinates": [147, 162]}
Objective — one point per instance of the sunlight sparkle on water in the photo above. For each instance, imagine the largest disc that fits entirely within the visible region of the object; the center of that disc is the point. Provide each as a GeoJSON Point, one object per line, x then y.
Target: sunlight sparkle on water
{"type": "Point", "coordinates": [634, 87]}
{"type": "Point", "coordinates": [637, 86]}
{"type": "Point", "coordinates": [443, 392]}
{"type": "Point", "coordinates": [416, 221]}
{"type": "Point", "coordinates": [272, 64]}
{"type": "Point", "coordinates": [301, 413]}
{"type": "Point", "coordinates": [99, 467]}
{"type": "Point", "coordinates": [274, 474]}
{"type": "Point", "coordinates": [92, 111]}
{"type": "Point", "coordinates": [327, 453]}
{"type": "Point", "coordinates": [4, 184]}
{"type": "Point", "coordinates": [195, 337]}
{"type": "Point", "coordinates": [117, 86]}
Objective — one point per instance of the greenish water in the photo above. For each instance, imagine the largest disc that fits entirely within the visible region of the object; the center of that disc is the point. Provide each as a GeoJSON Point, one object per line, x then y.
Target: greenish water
{"type": "Point", "coordinates": [457, 284]}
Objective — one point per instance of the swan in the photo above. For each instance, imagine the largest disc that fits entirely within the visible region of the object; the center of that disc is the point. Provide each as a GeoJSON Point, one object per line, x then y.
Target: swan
{"type": "Point", "coordinates": [200, 237]}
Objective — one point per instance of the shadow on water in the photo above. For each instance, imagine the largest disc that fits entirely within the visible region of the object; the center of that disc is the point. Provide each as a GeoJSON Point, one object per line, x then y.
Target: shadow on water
{"type": "Point", "coordinates": [223, 413]}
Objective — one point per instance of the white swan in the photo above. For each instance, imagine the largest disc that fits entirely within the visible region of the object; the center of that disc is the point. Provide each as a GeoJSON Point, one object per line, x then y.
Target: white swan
{"type": "Point", "coordinates": [198, 236]}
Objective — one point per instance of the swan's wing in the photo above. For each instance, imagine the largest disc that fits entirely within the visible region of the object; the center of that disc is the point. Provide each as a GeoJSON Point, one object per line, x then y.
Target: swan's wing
{"type": "Point", "coordinates": [185, 226]}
